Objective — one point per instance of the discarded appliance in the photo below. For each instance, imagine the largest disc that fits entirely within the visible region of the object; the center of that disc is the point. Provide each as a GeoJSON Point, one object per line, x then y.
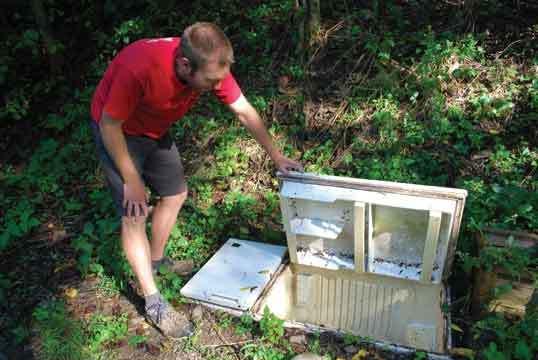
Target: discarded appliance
{"type": "Point", "coordinates": [366, 257]}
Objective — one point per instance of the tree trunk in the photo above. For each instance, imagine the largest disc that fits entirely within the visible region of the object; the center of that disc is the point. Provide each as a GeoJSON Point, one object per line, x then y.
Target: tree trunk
{"type": "Point", "coordinates": [469, 10]}
{"type": "Point", "coordinates": [313, 19]}
{"type": "Point", "coordinates": [309, 25]}
{"type": "Point", "coordinates": [483, 282]}
{"type": "Point", "coordinates": [56, 60]}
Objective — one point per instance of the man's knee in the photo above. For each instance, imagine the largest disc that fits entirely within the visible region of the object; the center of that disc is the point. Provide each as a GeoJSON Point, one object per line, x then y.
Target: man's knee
{"type": "Point", "coordinates": [175, 200]}
{"type": "Point", "coordinates": [133, 224]}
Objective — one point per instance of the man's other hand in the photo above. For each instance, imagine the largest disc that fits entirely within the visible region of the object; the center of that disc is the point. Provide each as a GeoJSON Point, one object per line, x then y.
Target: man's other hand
{"type": "Point", "coordinates": [285, 165]}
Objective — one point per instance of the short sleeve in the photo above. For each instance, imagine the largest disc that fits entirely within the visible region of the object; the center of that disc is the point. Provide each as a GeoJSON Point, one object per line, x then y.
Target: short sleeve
{"type": "Point", "coordinates": [228, 91]}
{"type": "Point", "coordinates": [124, 94]}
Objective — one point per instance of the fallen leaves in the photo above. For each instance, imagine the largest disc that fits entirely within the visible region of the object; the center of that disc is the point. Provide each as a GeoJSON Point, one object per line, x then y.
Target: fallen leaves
{"type": "Point", "coordinates": [71, 293]}
{"type": "Point", "coordinates": [465, 352]}
{"type": "Point", "coordinates": [248, 288]}
{"type": "Point", "coordinates": [361, 354]}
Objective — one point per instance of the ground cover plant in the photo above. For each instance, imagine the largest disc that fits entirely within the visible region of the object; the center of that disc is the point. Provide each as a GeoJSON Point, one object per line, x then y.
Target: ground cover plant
{"type": "Point", "coordinates": [437, 93]}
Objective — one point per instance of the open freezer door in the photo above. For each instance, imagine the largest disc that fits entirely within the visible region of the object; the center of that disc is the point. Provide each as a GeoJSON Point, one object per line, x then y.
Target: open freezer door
{"type": "Point", "coordinates": [236, 275]}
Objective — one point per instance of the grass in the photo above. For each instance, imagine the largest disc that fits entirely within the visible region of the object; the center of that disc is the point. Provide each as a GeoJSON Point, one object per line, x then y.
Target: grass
{"type": "Point", "coordinates": [61, 336]}
{"type": "Point", "coordinates": [106, 330]}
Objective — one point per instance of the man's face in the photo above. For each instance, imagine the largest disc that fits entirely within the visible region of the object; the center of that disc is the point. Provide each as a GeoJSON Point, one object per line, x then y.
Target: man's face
{"type": "Point", "coordinates": [206, 78]}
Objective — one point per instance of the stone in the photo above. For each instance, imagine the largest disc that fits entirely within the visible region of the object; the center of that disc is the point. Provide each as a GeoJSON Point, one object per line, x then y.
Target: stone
{"type": "Point", "coordinates": [197, 313]}
{"type": "Point", "coordinates": [351, 349]}
{"type": "Point", "coordinates": [298, 348]}
{"type": "Point", "coordinates": [298, 339]}
{"type": "Point", "coordinates": [308, 356]}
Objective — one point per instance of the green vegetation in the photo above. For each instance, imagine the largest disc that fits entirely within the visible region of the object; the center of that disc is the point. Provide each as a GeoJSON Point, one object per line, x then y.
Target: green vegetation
{"type": "Point", "coordinates": [65, 338]}
{"type": "Point", "coordinates": [105, 330]}
{"type": "Point", "coordinates": [62, 337]}
{"type": "Point", "coordinates": [422, 92]}
{"type": "Point", "coordinates": [271, 327]}
{"type": "Point", "coordinates": [516, 341]}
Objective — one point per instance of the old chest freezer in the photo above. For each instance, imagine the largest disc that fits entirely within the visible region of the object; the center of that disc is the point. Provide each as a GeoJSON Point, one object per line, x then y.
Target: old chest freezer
{"type": "Point", "coordinates": [365, 257]}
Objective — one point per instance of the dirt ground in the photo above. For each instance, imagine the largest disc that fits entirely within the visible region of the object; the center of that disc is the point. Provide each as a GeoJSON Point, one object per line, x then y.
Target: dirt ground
{"type": "Point", "coordinates": [48, 270]}
{"type": "Point", "coordinates": [212, 340]}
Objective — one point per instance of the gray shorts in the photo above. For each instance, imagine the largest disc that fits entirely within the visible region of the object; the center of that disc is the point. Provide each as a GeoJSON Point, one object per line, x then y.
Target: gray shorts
{"type": "Point", "coordinates": [157, 161]}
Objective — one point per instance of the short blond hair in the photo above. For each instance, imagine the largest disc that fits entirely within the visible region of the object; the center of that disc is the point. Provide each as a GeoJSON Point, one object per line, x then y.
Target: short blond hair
{"type": "Point", "coordinates": [203, 42]}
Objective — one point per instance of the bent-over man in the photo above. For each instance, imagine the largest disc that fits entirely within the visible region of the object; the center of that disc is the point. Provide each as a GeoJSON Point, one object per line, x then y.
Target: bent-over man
{"type": "Point", "coordinates": [148, 86]}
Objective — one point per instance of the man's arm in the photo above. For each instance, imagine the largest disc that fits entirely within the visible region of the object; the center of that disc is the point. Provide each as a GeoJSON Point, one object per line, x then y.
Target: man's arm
{"type": "Point", "coordinates": [250, 118]}
{"type": "Point", "coordinates": [114, 140]}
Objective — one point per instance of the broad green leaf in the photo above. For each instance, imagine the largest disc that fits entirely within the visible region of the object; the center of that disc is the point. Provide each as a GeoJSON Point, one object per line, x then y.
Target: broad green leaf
{"type": "Point", "coordinates": [522, 350]}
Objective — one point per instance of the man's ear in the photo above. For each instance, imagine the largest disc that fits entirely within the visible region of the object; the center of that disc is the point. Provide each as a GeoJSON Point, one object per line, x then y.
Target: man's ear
{"type": "Point", "coordinates": [184, 64]}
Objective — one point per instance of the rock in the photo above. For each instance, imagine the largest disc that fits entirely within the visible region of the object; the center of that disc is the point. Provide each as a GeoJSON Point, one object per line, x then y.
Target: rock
{"type": "Point", "coordinates": [197, 313]}
{"type": "Point", "coordinates": [298, 348]}
{"type": "Point", "coordinates": [59, 235]}
{"type": "Point", "coordinates": [183, 267]}
{"type": "Point", "coordinates": [307, 356]}
{"type": "Point", "coordinates": [153, 349]}
{"type": "Point", "coordinates": [351, 349]}
{"type": "Point", "coordinates": [298, 339]}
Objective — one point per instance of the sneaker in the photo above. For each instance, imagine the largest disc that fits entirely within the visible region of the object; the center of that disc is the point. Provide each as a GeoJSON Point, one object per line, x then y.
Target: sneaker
{"type": "Point", "coordinates": [170, 322]}
{"type": "Point", "coordinates": [180, 267]}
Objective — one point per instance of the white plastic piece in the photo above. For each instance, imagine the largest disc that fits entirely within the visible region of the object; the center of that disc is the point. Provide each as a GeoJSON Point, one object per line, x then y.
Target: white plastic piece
{"type": "Point", "coordinates": [290, 236]}
{"type": "Point", "coordinates": [316, 227]}
{"type": "Point", "coordinates": [430, 248]}
{"type": "Point", "coordinates": [359, 224]}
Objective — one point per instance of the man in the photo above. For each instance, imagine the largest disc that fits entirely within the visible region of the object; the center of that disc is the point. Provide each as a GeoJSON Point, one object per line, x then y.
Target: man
{"type": "Point", "coordinates": [149, 85]}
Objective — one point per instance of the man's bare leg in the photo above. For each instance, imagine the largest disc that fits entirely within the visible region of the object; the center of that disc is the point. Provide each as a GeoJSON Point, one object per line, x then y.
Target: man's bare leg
{"type": "Point", "coordinates": [164, 218]}
{"type": "Point", "coordinates": [136, 246]}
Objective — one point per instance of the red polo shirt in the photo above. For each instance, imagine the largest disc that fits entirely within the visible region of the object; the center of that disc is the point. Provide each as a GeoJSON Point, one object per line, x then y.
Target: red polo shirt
{"type": "Point", "coordinates": [141, 89]}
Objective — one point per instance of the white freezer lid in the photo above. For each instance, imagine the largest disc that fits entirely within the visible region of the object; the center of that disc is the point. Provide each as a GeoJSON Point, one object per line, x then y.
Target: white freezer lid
{"type": "Point", "coordinates": [236, 275]}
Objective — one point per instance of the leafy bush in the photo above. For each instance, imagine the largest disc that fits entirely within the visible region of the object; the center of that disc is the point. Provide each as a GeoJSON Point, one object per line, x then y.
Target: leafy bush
{"type": "Point", "coordinates": [510, 340]}
{"type": "Point", "coordinates": [272, 327]}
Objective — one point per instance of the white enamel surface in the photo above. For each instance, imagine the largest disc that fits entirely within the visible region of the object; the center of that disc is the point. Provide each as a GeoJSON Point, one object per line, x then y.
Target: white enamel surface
{"type": "Point", "coordinates": [236, 275]}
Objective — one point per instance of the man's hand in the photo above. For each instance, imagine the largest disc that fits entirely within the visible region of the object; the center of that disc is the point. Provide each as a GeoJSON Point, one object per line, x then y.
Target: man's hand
{"type": "Point", "coordinates": [135, 202]}
{"type": "Point", "coordinates": [285, 165]}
